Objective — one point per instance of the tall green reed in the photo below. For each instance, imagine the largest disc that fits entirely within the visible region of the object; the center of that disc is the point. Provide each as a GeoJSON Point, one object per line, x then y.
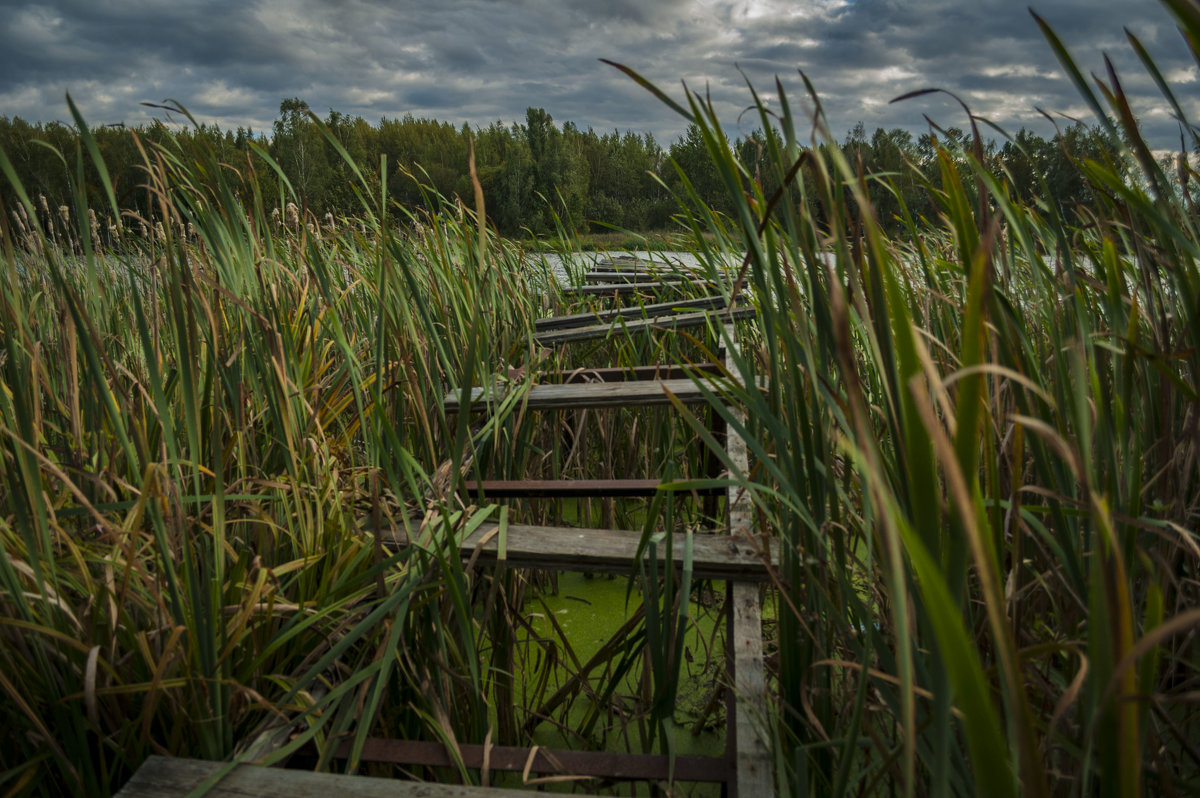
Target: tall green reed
{"type": "Point", "coordinates": [974, 458]}
{"type": "Point", "coordinates": [204, 431]}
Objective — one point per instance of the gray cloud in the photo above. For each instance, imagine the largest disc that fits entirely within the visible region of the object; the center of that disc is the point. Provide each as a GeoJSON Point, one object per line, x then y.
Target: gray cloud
{"type": "Point", "coordinates": [476, 61]}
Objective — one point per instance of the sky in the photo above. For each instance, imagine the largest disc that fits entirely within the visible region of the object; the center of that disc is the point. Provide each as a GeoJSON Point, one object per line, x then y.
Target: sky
{"type": "Point", "coordinates": [231, 62]}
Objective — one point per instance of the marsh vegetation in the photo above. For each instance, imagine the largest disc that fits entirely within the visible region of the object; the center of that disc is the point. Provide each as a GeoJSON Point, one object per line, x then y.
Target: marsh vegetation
{"type": "Point", "coordinates": [978, 460]}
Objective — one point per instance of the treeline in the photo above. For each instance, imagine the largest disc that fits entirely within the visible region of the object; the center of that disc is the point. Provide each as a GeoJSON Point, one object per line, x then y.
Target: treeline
{"type": "Point", "coordinates": [534, 174]}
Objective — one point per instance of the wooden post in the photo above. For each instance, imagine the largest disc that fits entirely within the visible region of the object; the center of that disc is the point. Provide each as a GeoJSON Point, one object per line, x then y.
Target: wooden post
{"type": "Point", "coordinates": [749, 722]}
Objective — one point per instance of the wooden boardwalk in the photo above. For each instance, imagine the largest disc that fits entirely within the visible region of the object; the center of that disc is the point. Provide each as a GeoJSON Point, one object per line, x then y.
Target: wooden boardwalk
{"type": "Point", "coordinates": [160, 776]}
{"type": "Point", "coordinates": [734, 557]}
{"type": "Point", "coordinates": [607, 551]}
{"type": "Point", "coordinates": [640, 393]}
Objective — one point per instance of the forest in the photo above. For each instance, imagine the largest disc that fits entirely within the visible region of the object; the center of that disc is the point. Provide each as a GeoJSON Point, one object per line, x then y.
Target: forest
{"type": "Point", "coordinates": [535, 175]}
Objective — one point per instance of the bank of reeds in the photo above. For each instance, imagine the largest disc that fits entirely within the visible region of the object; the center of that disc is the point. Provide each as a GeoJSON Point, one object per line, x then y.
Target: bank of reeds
{"type": "Point", "coordinates": [977, 460]}
{"type": "Point", "coordinates": [203, 424]}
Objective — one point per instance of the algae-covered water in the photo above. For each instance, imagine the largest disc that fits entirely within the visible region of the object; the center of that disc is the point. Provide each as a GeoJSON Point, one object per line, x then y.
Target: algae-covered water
{"type": "Point", "coordinates": [587, 612]}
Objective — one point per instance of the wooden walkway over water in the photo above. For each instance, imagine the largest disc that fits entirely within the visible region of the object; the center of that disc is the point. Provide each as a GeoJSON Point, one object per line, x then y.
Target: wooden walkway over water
{"type": "Point", "coordinates": [729, 554]}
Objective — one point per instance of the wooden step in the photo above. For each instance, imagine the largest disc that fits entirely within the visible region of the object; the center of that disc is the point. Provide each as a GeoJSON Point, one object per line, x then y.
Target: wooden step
{"type": "Point", "coordinates": [160, 776]}
{"type": "Point", "coordinates": [628, 262]}
{"type": "Point", "coordinates": [608, 551]}
{"type": "Point", "coordinates": [664, 371]}
{"type": "Point", "coordinates": [641, 393]}
{"type": "Point", "coordinates": [624, 289]}
{"type": "Point", "coordinates": [663, 276]}
{"type": "Point", "coordinates": [569, 488]}
{"type": "Point", "coordinates": [676, 321]}
{"type": "Point", "coordinates": [635, 312]}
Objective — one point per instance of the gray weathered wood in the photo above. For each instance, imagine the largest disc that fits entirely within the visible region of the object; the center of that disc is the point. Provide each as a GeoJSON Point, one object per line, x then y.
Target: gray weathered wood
{"type": "Point", "coordinates": [750, 718]}
{"type": "Point", "coordinates": [654, 287]}
{"type": "Point", "coordinates": [588, 395]}
{"type": "Point", "coordinates": [658, 371]}
{"type": "Point", "coordinates": [163, 777]}
{"type": "Point", "coordinates": [635, 312]}
{"type": "Point", "coordinates": [675, 321]}
{"type": "Point", "coordinates": [750, 686]}
{"type": "Point", "coordinates": [627, 262]}
{"type": "Point", "coordinates": [554, 761]}
{"type": "Point", "coordinates": [549, 488]}
{"type": "Point", "coordinates": [656, 275]}
{"type": "Point", "coordinates": [606, 550]}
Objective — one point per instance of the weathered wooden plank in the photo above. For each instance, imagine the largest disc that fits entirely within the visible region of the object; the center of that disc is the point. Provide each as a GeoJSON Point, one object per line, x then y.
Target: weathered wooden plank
{"type": "Point", "coordinates": [676, 321]}
{"type": "Point", "coordinates": [164, 777]}
{"type": "Point", "coordinates": [626, 262]}
{"type": "Point", "coordinates": [635, 312]}
{"type": "Point", "coordinates": [607, 550]}
{"type": "Point", "coordinates": [609, 289]}
{"type": "Point", "coordinates": [656, 275]}
{"type": "Point", "coordinates": [553, 488]}
{"type": "Point", "coordinates": [640, 393]}
{"type": "Point", "coordinates": [555, 762]}
{"type": "Point", "coordinates": [661, 371]}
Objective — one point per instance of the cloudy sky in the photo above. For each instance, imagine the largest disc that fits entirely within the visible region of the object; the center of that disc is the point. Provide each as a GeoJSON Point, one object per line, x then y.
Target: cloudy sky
{"type": "Point", "coordinates": [477, 61]}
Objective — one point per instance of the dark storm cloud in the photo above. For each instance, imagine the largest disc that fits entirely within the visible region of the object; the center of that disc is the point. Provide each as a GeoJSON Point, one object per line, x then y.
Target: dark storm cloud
{"type": "Point", "coordinates": [232, 61]}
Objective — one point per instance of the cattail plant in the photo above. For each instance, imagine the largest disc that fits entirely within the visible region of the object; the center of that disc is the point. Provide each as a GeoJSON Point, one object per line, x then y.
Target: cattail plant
{"type": "Point", "coordinates": [971, 460]}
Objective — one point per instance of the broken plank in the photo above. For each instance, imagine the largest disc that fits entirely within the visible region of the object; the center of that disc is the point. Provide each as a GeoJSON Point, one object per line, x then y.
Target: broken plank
{"type": "Point", "coordinates": [607, 550]}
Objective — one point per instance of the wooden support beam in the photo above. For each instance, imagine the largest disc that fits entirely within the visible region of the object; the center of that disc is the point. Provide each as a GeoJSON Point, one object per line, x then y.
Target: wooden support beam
{"type": "Point", "coordinates": [553, 488]}
{"type": "Point", "coordinates": [749, 721]}
{"type": "Point", "coordinates": [597, 764]}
